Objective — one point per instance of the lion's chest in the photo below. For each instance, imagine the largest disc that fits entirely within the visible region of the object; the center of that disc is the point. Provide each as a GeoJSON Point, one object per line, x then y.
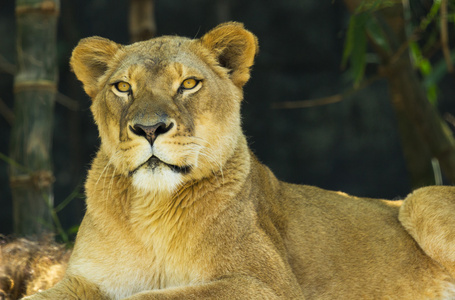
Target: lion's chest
{"type": "Point", "coordinates": [129, 272]}
{"type": "Point", "coordinates": [128, 262]}
{"type": "Point", "coordinates": [128, 279]}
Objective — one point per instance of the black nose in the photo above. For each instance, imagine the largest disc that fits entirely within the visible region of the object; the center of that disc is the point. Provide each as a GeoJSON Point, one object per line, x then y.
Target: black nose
{"type": "Point", "coordinates": [151, 132]}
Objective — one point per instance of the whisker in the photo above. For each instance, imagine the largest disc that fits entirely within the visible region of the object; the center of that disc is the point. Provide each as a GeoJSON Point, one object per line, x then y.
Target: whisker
{"type": "Point", "coordinates": [104, 170]}
{"type": "Point", "coordinates": [212, 160]}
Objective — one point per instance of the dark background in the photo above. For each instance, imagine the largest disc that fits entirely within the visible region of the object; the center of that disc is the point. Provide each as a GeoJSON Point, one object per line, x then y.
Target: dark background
{"type": "Point", "coordinates": [351, 146]}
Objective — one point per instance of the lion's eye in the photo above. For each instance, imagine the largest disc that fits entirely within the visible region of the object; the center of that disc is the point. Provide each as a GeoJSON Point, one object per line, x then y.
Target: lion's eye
{"type": "Point", "coordinates": [123, 87]}
{"type": "Point", "coordinates": [189, 84]}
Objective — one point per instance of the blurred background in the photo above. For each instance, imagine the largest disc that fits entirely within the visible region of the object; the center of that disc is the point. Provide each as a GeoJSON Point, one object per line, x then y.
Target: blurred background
{"type": "Point", "coordinates": [311, 120]}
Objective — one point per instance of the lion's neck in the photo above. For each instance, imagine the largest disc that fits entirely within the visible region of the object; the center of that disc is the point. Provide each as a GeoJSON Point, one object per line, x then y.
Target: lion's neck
{"type": "Point", "coordinates": [112, 194]}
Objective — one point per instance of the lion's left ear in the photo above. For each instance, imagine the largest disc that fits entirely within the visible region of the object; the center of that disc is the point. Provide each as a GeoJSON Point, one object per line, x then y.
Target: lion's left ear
{"type": "Point", "coordinates": [235, 48]}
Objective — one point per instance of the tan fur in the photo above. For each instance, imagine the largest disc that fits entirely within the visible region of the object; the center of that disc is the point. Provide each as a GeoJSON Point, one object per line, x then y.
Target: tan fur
{"type": "Point", "coordinates": [213, 222]}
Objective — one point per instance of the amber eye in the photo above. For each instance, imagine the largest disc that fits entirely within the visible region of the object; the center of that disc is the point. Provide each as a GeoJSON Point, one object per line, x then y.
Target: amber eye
{"type": "Point", "coordinates": [189, 84]}
{"type": "Point", "coordinates": [123, 87]}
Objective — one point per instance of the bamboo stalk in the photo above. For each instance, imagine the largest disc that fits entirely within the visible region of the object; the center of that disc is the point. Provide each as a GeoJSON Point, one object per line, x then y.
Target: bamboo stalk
{"type": "Point", "coordinates": [35, 85]}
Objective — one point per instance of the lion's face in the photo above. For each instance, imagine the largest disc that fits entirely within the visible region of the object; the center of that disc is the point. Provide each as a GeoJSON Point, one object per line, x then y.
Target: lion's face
{"type": "Point", "coordinates": [162, 116]}
{"type": "Point", "coordinates": [167, 109]}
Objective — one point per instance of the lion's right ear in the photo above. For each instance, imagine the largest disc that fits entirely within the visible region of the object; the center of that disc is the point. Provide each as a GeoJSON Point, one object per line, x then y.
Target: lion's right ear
{"type": "Point", "coordinates": [90, 60]}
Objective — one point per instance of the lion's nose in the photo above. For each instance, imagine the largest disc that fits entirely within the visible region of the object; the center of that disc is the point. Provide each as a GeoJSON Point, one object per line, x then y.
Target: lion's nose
{"type": "Point", "coordinates": [150, 133]}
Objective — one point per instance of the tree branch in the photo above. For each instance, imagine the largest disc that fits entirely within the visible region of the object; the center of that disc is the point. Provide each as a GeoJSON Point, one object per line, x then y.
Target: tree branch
{"type": "Point", "coordinates": [325, 100]}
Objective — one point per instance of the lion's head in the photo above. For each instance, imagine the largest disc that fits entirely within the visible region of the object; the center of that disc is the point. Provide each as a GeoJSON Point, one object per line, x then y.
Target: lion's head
{"type": "Point", "coordinates": [167, 109]}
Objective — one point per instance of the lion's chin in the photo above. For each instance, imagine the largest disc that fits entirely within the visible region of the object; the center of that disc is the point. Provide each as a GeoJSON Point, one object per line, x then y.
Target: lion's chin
{"type": "Point", "coordinates": [157, 176]}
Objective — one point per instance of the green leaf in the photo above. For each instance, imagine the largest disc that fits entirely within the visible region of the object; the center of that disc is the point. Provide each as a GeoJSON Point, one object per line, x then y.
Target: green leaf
{"type": "Point", "coordinates": [371, 6]}
{"type": "Point", "coordinates": [376, 33]}
{"type": "Point", "coordinates": [421, 62]}
{"type": "Point", "coordinates": [13, 163]}
{"type": "Point", "coordinates": [73, 230]}
{"type": "Point", "coordinates": [426, 69]}
{"type": "Point", "coordinates": [358, 58]}
{"type": "Point", "coordinates": [438, 71]}
{"type": "Point", "coordinates": [355, 46]}
{"type": "Point", "coordinates": [431, 15]}
{"type": "Point", "coordinates": [359, 49]}
{"type": "Point", "coordinates": [349, 42]}
{"type": "Point", "coordinates": [432, 94]}
{"type": "Point", "coordinates": [74, 194]}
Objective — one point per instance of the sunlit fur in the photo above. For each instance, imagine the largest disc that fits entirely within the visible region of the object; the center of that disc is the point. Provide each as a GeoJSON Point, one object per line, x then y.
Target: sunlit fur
{"type": "Point", "coordinates": [211, 222]}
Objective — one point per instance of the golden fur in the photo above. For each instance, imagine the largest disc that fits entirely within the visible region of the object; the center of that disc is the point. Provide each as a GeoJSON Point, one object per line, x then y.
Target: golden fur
{"type": "Point", "coordinates": [179, 208]}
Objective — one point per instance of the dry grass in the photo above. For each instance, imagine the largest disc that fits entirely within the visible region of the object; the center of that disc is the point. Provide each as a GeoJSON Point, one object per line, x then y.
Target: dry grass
{"type": "Point", "coordinates": [27, 266]}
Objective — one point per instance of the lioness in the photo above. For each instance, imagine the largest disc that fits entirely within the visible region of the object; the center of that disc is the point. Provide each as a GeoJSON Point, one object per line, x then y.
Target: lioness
{"type": "Point", "coordinates": [179, 208]}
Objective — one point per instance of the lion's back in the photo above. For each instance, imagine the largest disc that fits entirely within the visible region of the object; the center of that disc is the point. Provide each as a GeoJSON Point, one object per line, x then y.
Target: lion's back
{"type": "Point", "coordinates": [340, 246]}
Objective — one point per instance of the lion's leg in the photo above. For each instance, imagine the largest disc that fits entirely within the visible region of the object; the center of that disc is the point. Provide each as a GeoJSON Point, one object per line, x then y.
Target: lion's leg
{"type": "Point", "coordinates": [236, 287]}
{"type": "Point", "coordinates": [70, 288]}
{"type": "Point", "coordinates": [428, 214]}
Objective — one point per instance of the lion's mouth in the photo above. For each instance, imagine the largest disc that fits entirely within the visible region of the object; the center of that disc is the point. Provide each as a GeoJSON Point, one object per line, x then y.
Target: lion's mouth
{"type": "Point", "coordinates": [154, 162]}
